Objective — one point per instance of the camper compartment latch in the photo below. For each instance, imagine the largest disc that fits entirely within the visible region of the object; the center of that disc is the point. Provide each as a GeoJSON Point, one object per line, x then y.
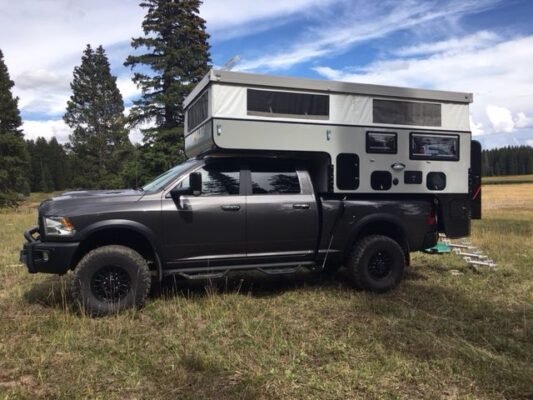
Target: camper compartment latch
{"type": "Point", "coordinates": [398, 166]}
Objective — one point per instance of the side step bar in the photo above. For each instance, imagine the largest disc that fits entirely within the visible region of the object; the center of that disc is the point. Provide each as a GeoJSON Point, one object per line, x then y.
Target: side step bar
{"type": "Point", "coordinates": [221, 271]}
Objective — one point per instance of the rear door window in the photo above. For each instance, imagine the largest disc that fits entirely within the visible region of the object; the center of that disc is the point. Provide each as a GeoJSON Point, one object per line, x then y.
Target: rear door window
{"type": "Point", "coordinates": [274, 179]}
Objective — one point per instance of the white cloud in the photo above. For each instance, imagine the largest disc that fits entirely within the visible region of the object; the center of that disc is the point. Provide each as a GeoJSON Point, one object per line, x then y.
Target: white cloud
{"type": "Point", "coordinates": [127, 88]}
{"type": "Point", "coordinates": [476, 41]}
{"type": "Point", "coordinates": [58, 128]}
{"type": "Point", "coordinates": [477, 128]}
{"type": "Point", "coordinates": [223, 17]}
{"type": "Point", "coordinates": [523, 121]}
{"type": "Point", "coordinates": [41, 78]}
{"type": "Point", "coordinates": [47, 129]}
{"type": "Point", "coordinates": [501, 118]}
{"type": "Point", "coordinates": [361, 22]}
{"type": "Point", "coordinates": [499, 75]}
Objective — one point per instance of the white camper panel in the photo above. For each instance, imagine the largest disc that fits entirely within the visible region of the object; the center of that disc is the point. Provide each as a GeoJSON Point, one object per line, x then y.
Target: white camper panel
{"type": "Point", "coordinates": [345, 109]}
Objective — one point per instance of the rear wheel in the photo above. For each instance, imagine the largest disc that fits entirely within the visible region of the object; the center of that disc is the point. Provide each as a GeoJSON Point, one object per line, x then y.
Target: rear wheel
{"type": "Point", "coordinates": [376, 263]}
{"type": "Point", "coordinates": [110, 279]}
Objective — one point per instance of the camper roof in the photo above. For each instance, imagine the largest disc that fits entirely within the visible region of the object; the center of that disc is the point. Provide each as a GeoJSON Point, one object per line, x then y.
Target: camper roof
{"type": "Point", "coordinates": [256, 80]}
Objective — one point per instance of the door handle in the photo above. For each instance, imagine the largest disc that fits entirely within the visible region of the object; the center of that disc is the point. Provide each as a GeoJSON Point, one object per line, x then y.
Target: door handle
{"type": "Point", "coordinates": [301, 206]}
{"type": "Point", "coordinates": [231, 207]}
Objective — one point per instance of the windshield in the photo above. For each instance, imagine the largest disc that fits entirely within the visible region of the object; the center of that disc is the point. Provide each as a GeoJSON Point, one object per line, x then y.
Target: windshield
{"type": "Point", "coordinates": [166, 177]}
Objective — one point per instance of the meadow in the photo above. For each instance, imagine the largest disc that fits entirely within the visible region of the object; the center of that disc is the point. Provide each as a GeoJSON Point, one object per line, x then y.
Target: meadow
{"type": "Point", "coordinates": [447, 332]}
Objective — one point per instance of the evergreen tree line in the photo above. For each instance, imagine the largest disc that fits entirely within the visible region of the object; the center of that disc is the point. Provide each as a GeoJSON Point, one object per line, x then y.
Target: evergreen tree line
{"type": "Point", "coordinates": [516, 160]}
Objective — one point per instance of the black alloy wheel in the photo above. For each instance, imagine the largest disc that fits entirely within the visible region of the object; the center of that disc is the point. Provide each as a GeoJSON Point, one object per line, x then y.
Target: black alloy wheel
{"type": "Point", "coordinates": [376, 263]}
{"type": "Point", "coordinates": [110, 284]}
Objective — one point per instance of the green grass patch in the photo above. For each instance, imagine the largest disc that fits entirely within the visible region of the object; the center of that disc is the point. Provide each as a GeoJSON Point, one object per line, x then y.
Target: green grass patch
{"type": "Point", "coordinates": [503, 180]}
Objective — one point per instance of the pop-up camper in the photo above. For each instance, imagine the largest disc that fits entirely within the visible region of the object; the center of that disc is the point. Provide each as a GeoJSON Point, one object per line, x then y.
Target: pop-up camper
{"type": "Point", "coordinates": [379, 140]}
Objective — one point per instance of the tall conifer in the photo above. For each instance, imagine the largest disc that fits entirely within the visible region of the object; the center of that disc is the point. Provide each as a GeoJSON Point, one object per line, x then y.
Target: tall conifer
{"type": "Point", "coordinates": [95, 111]}
{"type": "Point", "coordinates": [14, 159]}
{"type": "Point", "coordinates": [176, 52]}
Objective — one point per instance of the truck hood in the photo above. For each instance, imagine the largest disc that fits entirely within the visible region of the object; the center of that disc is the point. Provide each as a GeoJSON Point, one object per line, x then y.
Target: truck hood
{"type": "Point", "coordinates": [99, 193]}
{"type": "Point", "coordinates": [88, 201]}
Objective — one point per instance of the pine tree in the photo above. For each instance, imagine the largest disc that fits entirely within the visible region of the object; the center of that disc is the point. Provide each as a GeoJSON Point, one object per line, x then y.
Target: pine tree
{"type": "Point", "coordinates": [100, 144]}
{"type": "Point", "coordinates": [14, 159]}
{"type": "Point", "coordinates": [177, 52]}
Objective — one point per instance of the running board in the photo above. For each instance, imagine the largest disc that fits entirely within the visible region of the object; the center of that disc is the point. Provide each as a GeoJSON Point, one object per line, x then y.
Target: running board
{"type": "Point", "coordinates": [221, 271]}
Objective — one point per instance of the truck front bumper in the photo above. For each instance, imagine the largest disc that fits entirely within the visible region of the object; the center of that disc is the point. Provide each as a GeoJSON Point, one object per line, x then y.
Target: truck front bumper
{"type": "Point", "coordinates": [48, 257]}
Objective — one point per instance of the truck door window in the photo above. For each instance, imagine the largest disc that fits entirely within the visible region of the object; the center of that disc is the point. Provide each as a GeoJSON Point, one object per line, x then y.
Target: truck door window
{"type": "Point", "coordinates": [281, 179]}
{"type": "Point", "coordinates": [218, 179]}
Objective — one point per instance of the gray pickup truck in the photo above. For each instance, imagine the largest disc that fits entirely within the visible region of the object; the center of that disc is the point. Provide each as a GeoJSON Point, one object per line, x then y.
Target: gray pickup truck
{"type": "Point", "coordinates": [211, 215]}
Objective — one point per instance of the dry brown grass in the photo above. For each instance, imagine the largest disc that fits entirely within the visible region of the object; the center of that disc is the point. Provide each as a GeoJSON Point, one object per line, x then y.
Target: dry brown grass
{"type": "Point", "coordinates": [508, 197]}
{"type": "Point", "coordinates": [438, 335]}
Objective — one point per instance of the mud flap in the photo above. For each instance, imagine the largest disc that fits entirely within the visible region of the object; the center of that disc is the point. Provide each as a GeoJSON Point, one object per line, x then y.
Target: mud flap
{"type": "Point", "coordinates": [474, 181]}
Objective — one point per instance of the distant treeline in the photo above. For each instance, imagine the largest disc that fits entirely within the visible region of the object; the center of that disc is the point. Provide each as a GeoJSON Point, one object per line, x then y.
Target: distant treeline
{"type": "Point", "coordinates": [509, 160]}
{"type": "Point", "coordinates": [49, 166]}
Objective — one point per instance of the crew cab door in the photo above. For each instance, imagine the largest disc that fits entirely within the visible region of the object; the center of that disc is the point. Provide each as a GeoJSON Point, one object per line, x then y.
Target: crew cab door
{"type": "Point", "coordinates": [208, 229]}
{"type": "Point", "coordinates": [281, 213]}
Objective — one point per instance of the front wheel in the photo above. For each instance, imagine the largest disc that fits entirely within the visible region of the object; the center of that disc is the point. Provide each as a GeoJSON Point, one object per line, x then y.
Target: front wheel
{"type": "Point", "coordinates": [110, 279]}
{"type": "Point", "coordinates": [376, 263]}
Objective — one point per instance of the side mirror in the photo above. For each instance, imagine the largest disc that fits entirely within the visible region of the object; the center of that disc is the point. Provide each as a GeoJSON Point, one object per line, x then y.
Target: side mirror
{"type": "Point", "coordinates": [195, 183]}
{"type": "Point", "coordinates": [194, 188]}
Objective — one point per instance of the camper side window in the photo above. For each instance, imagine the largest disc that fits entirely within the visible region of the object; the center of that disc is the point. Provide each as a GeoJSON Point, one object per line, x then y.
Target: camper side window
{"type": "Point", "coordinates": [406, 113]}
{"type": "Point", "coordinates": [269, 103]}
{"type": "Point", "coordinates": [381, 142]}
{"type": "Point", "coordinates": [425, 146]}
{"type": "Point", "coordinates": [197, 113]}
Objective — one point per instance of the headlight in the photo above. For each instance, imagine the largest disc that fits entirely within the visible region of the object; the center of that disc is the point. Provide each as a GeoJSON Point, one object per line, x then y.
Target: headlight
{"type": "Point", "coordinates": [58, 226]}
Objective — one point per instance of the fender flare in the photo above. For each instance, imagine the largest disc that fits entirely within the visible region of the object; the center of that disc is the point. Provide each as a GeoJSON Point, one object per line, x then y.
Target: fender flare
{"type": "Point", "coordinates": [364, 222]}
{"type": "Point", "coordinates": [134, 226]}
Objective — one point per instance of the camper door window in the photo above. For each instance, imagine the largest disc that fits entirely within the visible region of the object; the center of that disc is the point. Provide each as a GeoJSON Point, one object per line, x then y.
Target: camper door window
{"type": "Point", "coordinates": [438, 147]}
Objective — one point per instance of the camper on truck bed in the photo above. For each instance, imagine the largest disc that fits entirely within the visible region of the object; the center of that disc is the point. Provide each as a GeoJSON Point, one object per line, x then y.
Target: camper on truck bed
{"type": "Point", "coordinates": [282, 173]}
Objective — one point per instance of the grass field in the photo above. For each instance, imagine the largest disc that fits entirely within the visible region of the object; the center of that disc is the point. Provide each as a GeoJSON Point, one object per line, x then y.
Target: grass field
{"type": "Point", "coordinates": [504, 180]}
{"type": "Point", "coordinates": [440, 335]}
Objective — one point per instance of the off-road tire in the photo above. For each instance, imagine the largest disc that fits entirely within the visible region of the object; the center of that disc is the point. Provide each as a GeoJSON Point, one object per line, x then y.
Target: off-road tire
{"type": "Point", "coordinates": [94, 285]}
{"type": "Point", "coordinates": [364, 266]}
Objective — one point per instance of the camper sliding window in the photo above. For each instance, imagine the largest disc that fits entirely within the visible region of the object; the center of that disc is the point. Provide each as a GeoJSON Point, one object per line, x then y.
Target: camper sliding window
{"type": "Point", "coordinates": [270, 103]}
{"type": "Point", "coordinates": [438, 147]}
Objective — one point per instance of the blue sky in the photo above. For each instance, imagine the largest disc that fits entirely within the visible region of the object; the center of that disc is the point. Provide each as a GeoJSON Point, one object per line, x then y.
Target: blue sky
{"type": "Point", "coordinates": [482, 46]}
